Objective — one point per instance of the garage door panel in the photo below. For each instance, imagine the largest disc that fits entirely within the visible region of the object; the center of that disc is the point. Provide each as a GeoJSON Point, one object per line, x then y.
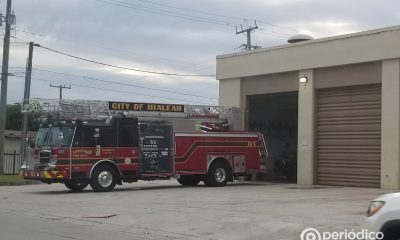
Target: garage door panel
{"type": "Point", "coordinates": [354, 121]}
{"type": "Point", "coordinates": [344, 157]}
{"type": "Point", "coordinates": [345, 165]}
{"type": "Point", "coordinates": [349, 105]}
{"type": "Point", "coordinates": [361, 173]}
{"type": "Point", "coordinates": [350, 113]}
{"type": "Point", "coordinates": [345, 136]}
{"type": "Point", "coordinates": [354, 134]}
{"type": "Point", "coordinates": [349, 136]}
{"type": "Point", "coordinates": [345, 99]}
{"type": "Point", "coordinates": [349, 127]}
{"type": "Point", "coordinates": [353, 143]}
{"type": "Point", "coordinates": [338, 180]}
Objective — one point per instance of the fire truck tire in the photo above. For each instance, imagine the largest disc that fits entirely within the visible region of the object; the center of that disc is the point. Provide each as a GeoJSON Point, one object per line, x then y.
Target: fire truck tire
{"type": "Point", "coordinates": [218, 175]}
{"type": "Point", "coordinates": [75, 186]}
{"type": "Point", "coordinates": [188, 180]}
{"type": "Point", "coordinates": [104, 178]}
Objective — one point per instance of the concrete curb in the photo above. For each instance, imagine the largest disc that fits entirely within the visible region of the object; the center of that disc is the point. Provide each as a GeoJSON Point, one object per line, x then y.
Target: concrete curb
{"type": "Point", "coordinates": [19, 183]}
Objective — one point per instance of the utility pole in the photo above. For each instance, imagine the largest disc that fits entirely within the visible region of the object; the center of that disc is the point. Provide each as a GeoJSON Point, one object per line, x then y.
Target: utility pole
{"type": "Point", "coordinates": [247, 32]}
{"type": "Point", "coordinates": [28, 75]}
{"type": "Point", "coordinates": [61, 88]}
{"type": "Point", "coordinates": [9, 19]}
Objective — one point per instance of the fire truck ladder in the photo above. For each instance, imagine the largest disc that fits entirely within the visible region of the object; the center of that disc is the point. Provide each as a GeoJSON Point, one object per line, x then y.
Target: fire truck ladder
{"type": "Point", "coordinates": [64, 109]}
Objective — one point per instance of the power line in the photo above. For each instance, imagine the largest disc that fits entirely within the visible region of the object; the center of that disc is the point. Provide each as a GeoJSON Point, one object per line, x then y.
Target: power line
{"type": "Point", "coordinates": [191, 17]}
{"type": "Point", "coordinates": [166, 13]}
{"type": "Point", "coordinates": [117, 83]}
{"type": "Point", "coordinates": [247, 32]}
{"type": "Point", "coordinates": [60, 88]}
{"type": "Point", "coordinates": [122, 84]}
{"type": "Point", "coordinates": [126, 68]}
{"type": "Point", "coordinates": [190, 10]}
{"type": "Point", "coordinates": [274, 32]}
{"type": "Point", "coordinates": [218, 15]}
{"type": "Point", "coordinates": [112, 90]}
{"type": "Point", "coordinates": [93, 45]}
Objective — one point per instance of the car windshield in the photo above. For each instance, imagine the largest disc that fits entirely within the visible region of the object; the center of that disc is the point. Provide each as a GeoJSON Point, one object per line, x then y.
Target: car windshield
{"type": "Point", "coordinates": [50, 136]}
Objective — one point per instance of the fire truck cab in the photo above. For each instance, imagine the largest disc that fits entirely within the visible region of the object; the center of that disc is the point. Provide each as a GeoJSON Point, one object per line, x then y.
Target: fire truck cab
{"type": "Point", "coordinates": [113, 143]}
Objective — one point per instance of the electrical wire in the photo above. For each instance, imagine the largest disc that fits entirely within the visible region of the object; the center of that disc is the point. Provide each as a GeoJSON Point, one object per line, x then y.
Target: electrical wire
{"type": "Point", "coordinates": [193, 18]}
{"type": "Point", "coordinates": [211, 14]}
{"type": "Point", "coordinates": [125, 68]}
{"type": "Point", "coordinates": [121, 84]}
{"type": "Point", "coordinates": [92, 45]}
{"type": "Point", "coordinates": [117, 83]}
{"type": "Point", "coordinates": [166, 13]}
{"type": "Point", "coordinates": [111, 90]}
{"type": "Point", "coordinates": [219, 15]}
{"type": "Point", "coordinates": [190, 10]}
{"type": "Point", "coordinates": [274, 32]}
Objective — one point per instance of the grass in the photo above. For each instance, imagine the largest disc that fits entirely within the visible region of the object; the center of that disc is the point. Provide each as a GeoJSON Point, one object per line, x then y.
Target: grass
{"type": "Point", "coordinates": [10, 178]}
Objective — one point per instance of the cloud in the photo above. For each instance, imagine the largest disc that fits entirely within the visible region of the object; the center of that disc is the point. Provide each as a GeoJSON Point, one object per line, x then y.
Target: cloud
{"type": "Point", "coordinates": [161, 42]}
{"type": "Point", "coordinates": [326, 28]}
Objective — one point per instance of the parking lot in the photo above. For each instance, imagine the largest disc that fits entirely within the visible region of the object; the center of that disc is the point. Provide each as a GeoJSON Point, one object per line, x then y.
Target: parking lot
{"type": "Point", "coordinates": [166, 210]}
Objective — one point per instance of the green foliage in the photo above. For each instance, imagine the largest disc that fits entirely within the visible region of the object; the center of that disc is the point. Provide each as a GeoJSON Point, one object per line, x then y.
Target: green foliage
{"type": "Point", "coordinates": [14, 118]}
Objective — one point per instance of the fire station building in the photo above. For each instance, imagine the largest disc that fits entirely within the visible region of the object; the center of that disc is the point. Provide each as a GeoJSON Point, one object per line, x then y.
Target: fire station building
{"type": "Point", "coordinates": [332, 105]}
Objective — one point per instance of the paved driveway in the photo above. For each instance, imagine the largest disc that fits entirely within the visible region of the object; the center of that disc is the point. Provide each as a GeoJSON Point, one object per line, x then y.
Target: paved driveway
{"type": "Point", "coordinates": [165, 210]}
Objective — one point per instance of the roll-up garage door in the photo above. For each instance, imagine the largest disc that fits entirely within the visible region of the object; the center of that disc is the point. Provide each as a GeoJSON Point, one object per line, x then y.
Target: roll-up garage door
{"type": "Point", "coordinates": [349, 136]}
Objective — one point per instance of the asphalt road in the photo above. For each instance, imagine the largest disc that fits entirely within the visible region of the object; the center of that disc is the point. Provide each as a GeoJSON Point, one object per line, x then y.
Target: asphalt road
{"type": "Point", "coordinates": [165, 210]}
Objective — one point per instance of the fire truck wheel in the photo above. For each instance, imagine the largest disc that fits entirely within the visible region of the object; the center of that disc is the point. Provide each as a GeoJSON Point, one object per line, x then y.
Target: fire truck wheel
{"type": "Point", "coordinates": [218, 175]}
{"type": "Point", "coordinates": [75, 186]}
{"type": "Point", "coordinates": [103, 178]}
{"type": "Point", "coordinates": [188, 180]}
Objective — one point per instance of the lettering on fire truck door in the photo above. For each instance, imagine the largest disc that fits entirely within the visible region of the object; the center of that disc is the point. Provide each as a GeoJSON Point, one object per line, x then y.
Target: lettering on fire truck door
{"type": "Point", "coordinates": [155, 146]}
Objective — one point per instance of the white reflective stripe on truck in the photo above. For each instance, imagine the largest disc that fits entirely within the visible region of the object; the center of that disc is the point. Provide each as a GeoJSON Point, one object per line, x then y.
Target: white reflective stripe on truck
{"type": "Point", "coordinates": [215, 135]}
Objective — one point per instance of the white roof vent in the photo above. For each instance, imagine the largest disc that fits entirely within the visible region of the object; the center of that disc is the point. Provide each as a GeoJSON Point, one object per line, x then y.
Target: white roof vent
{"type": "Point", "coordinates": [299, 38]}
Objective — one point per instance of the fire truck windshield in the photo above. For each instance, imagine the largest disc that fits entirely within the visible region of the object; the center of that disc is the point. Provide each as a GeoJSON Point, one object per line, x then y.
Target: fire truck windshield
{"type": "Point", "coordinates": [51, 136]}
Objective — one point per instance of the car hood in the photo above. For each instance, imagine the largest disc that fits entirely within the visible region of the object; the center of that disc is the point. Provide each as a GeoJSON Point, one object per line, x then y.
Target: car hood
{"type": "Point", "coordinates": [388, 196]}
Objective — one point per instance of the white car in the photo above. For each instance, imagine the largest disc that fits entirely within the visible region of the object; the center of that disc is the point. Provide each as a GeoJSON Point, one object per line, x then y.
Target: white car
{"type": "Point", "coordinates": [383, 216]}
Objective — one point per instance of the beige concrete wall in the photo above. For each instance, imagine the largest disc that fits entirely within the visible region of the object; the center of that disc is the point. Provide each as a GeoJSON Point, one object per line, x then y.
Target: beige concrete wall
{"type": "Point", "coordinates": [306, 115]}
{"type": "Point", "coordinates": [369, 46]}
{"type": "Point", "coordinates": [230, 92]}
{"type": "Point", "coordinates": [266, 84]}
{"type": "Point", "coordinates": [230, 96]}
{"type": "Point", "coordinates": [390, 153]}
{"type": "Point", "coordinates": [12, 144]}
{"type": "Point", "coordinates": [348, 75]}
{"type": "Point", "coordinates": [272, 83]}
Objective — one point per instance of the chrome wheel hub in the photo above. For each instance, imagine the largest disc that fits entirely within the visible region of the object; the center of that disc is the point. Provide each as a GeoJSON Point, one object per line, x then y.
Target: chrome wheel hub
{"type": "Point", "coordinates": [220, 175]}
{"type": "Point", "coordinates": [105, 179]}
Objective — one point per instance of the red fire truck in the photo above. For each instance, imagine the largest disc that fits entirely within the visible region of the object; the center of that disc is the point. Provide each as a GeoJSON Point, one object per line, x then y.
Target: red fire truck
{"type": "Point", "coordinates": [107, 143]}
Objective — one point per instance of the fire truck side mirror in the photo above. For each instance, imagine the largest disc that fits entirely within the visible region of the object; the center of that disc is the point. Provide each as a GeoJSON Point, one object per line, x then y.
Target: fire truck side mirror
{"type": "Point", "coordinates": [96, 133]}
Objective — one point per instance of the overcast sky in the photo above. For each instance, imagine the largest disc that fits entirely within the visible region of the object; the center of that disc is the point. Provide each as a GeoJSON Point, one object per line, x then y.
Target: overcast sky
{"type": "Point", "coordinates": [175, 36]}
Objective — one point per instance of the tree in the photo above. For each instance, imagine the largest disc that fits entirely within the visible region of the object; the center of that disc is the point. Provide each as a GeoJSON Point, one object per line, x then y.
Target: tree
{"type": "Point", "coordinates": [14, 118]}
